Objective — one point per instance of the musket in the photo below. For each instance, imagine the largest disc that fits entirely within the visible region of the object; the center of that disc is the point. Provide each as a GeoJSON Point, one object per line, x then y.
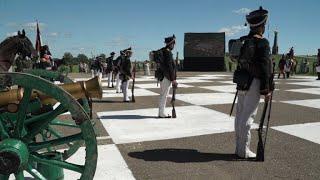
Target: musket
{"type": "Point", "coordinates": [173, 100]}
{"type": "Point", "coordinates": [112, 79]}
{"type": "Point", "coordinates": [234, 101]}
{"type": "Point", "coordinates": [133, 81]}
{"type": "Point", "coordinates": [262, 144]}
{"type": "Point", "coordinates": [260, 148]}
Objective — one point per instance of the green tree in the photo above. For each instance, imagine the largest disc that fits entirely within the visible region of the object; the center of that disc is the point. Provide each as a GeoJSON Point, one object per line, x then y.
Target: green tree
{"type": "Point", "coordinates": [82, 58]}
{"type": "Point", "coordinates": [67, 58]}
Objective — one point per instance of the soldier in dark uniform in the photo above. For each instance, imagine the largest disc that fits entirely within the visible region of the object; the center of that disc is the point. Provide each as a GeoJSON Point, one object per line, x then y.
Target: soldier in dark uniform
{"type": "Point", "coordinates": [168, 68]}
{"type": "Point", "coordinates": [97, 67]}
{"type": "Point", "coordinates": [318, 65]}
{"type": "Point", "coordinates": [291, 53]}
{"type": "Point", "coordinates": [125, 74]}
{"type": "Point", "coordinates": [259, 72]}
{"type": "Point", "coordinates": [45, 57]}
{"type": "Point", "coordinates": [110, 68]}
{"type": "Point", "coordinates": [281, 65]}
{"type": "Point", "coordinates": [116, 69]}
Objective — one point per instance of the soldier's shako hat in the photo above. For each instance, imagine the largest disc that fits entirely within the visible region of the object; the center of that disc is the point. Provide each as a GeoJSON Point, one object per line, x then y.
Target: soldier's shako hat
{"type": "Point", "coordinates": [129, 49]}
{"type": "Point", "coordinates": [113, 53]}
{"type": "Point", "coordinates": [257, 17]}
{"type": "Point", "coordinates": [170, 39]}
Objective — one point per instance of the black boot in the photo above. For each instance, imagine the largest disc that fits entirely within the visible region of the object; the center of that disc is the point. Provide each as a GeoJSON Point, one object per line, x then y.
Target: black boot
{"type": "Point", "coordinates": [318, 76]}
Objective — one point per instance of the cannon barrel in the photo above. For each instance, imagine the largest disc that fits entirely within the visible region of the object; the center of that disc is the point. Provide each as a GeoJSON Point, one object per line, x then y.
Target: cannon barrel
{"type": "Point", "coordinates": [91, 88]}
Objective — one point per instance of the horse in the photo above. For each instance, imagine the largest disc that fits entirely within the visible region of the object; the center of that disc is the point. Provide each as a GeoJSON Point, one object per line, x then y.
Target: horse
{"type": "Point", "coordinates": [11, 46]}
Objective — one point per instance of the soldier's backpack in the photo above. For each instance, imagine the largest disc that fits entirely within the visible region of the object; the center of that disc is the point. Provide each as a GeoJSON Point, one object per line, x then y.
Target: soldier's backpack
{"type": "Point", "coordinates": [243, 51]}
{"type": "Point", "coordinates": [157, 57]}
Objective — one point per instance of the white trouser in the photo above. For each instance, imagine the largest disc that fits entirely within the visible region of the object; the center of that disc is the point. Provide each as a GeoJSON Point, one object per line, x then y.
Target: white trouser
{"type": "Point", "coordinates": [318, 69]}
{"type": "Point", "coordinates": [118, 82]}
{"type": "Point", "coordinates": [164, 91]}
{"type": "Point", "coordinates": [100, 75]}
{"type": "Point", "coordinates": [148, 70]}
{"type": "Point", "coordinates": [92, 73]}
{"type": "Point", "coordinates": [247, 106]}
{"type": "Point", "coordinates": [95, 73]}
{"type": "Point", "coordinates": [125, 91]}
{"type": "Point", "coordinates": [109, 78]}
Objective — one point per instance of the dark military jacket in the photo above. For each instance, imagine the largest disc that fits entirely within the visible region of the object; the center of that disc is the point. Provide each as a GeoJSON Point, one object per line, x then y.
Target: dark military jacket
{"type": "Point", "coordinates": [109, 64]}
{"type": "Point", "coordinates": [125, 68]}
{"type": "Point", "coordinates": [168, 66]}
{"type": "Point", "coordinates": [97, 65]}
{"type": "Point", "coordinates": [117, 63]}
{"type": "Point", "coordinates": [263, 64]}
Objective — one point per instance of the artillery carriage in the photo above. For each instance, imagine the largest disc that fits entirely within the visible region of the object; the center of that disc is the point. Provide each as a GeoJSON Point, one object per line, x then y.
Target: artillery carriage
{"type": "Point", "coordinates": [42, 124]}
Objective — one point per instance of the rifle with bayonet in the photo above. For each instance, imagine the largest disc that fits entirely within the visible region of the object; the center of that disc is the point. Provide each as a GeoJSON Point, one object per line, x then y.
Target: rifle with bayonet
{"type": "Point", "coordinates": [234, 102]}
{"type": "Point", "coordinates": [262, 143]}
{"type": "Point", "coordinates": [173, 100]}
{"type": "Point", "coordinates": [133, 81]}
{"type": "Point", "coordinates": [112, 79]}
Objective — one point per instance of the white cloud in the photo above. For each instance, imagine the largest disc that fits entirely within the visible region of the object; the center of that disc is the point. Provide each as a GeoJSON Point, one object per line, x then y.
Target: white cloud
{"type": "Point", "coordinates": [11, 24]}
{"type": "Point", "coordinates": [242, 11]}
{"type": "Point", "coordinates": [53, 34]}
{"type": "Point", "coordinates": [67, 35]}
{"type": "Point", "coordinates": [11, 34]}
{"type": "Point", "coordinates": [33, 25]}
{"type": "Point", "coordinates": [119, 41]}
{"type": "Point", "coordinates": [230, 31]}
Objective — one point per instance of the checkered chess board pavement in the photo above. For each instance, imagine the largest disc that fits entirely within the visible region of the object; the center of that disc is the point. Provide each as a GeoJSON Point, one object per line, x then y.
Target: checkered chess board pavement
{"type": "Point", "coordinates": [199, 143]}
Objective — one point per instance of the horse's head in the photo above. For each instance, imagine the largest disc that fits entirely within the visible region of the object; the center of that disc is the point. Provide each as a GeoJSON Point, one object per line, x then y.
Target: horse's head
{"type": "Point", "coordinates": [24, 45]}
{"type": "Point", "coordinates": [18, 44]}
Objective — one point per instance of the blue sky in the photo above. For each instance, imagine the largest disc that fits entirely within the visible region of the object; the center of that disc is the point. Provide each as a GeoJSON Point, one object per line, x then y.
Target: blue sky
{"type": "Point", "coordinates": [100, 26]}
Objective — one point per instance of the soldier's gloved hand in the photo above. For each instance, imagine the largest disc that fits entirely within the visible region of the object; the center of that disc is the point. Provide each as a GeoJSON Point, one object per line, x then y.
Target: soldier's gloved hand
{"type": "Point", "coordinates": [174, 84]}
{"type": "Point", "coordinates": [267, 97]}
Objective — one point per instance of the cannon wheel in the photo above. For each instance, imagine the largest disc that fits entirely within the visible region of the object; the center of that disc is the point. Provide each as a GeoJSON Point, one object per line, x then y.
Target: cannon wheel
{"type": "Point", "coordinates": [62, 78]}
{"type": "Point", "coordinates": [36, 150]}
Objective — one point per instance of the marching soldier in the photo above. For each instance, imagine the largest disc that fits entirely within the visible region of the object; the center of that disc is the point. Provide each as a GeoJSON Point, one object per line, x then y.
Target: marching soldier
{"type": "Point", "coordinates": [256, 53]}
{"type": "Point", "coordinates": [281, 65]}
{"type": "Point", "coordinates": [146, 66]}
{"type": "Point", "coordinates": [318, 65]}
{"type": "Point", "coordinates": [109, 68]}
{"type": "Point", "coordinates": [125, 74]}
{"type": "Point", "coordinates": [169, 77]}
{"type": "Point", "coordinates": [116, 67]}
{"type": "Point", "coordinates": [97, 67]}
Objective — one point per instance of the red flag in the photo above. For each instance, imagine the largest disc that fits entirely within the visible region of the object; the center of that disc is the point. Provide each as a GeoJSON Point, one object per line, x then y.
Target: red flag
{"type": "Point", "coordinates": [38, 39]}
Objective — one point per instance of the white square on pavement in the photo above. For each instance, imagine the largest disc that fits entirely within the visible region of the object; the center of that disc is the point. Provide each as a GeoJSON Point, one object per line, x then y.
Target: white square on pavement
{"type": "Point", "coordinates": [137, 92]}
{"type": "Point", "coordinates": [307, 90]}
{"type": "Point", "coordinates": [154, 86]}
{"type": "Point", "coordinates": [313, 103]}
{"type": "Point", "coordinates": [308, 131]}
{"type": "Point", "coordinates": [203, 77]}
{"type": "Point", "coordinates": [143, 125]}
{"type": "Point", "coordinates": [191, 80]}
{"type": "Point", "coordinates": [216, 75]}
{"type": "Point", "coordinates": [203, 99]}
{"type": "Point", "coordinates": [226, 88]}
{"type": "Point", "coordinates": [314, 83]}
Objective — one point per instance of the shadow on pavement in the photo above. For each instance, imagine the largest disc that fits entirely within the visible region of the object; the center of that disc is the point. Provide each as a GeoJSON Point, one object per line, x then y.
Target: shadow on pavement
{"type": "Point", "coordinates": [126, 117]}
{"type": "Point", "coordinates": [182, 156]}
{"type": "Point", "coordinates": [108, 101]}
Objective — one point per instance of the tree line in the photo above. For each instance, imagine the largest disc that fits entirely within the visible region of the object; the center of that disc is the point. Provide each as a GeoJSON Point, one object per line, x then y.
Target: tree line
{"type": "Point", "coordinates": [69, 59]}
